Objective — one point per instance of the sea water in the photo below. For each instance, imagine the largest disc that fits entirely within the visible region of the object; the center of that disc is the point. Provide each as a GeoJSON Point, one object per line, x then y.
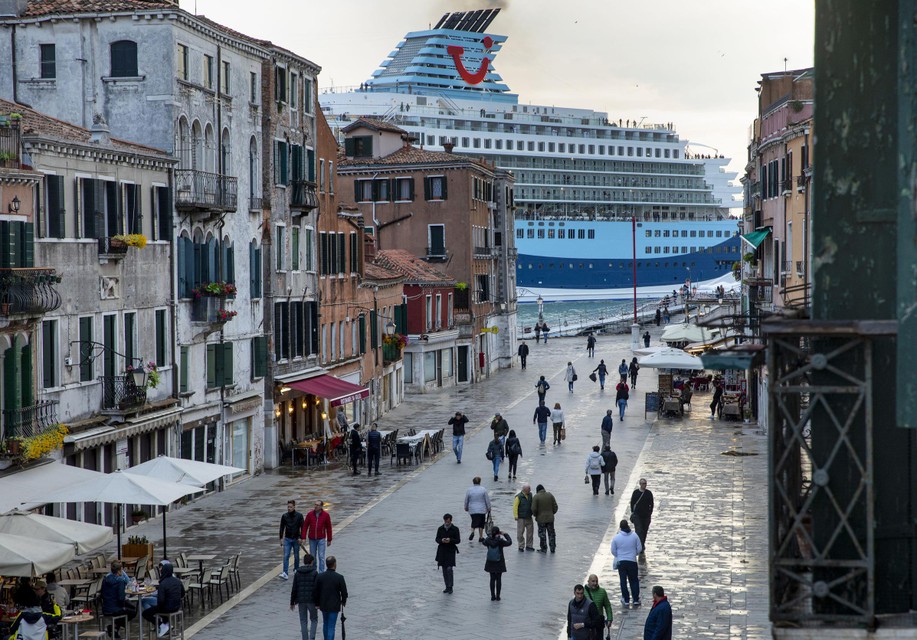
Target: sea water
{"type": "Point", "coordinates": [560, 314]}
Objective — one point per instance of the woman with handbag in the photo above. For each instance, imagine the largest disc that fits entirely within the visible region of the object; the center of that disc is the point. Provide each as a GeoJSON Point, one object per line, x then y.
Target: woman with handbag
{"type": "Point", "coordinates": [594, 464]}
{"type": "Point", "coordinates": [477, 504]}
{"type": "Point", "coordinates": [514, 451]}
{"type": "Point", "coordinates": [570, 376]}
{"type": "Point", "coordinates": [495, 563]}
{"type": "Point", "coordinates": [557, 419]}
{"type": "Point", "coordinates": [495, 454]}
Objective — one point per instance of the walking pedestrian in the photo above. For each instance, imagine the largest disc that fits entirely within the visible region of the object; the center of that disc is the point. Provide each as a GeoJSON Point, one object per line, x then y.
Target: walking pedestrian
{"type": "Point", "coordinates": [594, 469]}
{"type": "Point", "coordinates": [658, 318]}
{"type": "Point", "coordinates": [641, 512]}
{"type": "Point", "coordinates": [341, 418]}
{"type": "Point", "coordinates": [602, 370]}
{"type": "Point", "coordinates": [356, 448]}
{"type": "Point", "coordinates": [646, 336]}
{"type": "Point", "coordinates": [622, 395]}
{"type": "Point", "coordinates": [583, 619]}
{"type": "Point", "coordinates": [330, 596]}
{"type": "Point", "coordinates": [317, 530]}
{"type": "Point", "coordinates": [557, 420]}
{"type": "Point", "coordinates": [609, 464]}
{"type": "Point", "coordinates": [477, 505]}
{"type": "Point", "coordinates": [599, 596]}
{"type": "Point", "coordinates": [537, 333]}
{"type": "Point", "coordinates": [633, 369]}
{"type": "Point", "coordinates": [495, 454]}
{"type": "Point", "coordinates": [607, 426]}
{"type": "Point", "coordinates": [458, 422]}
{"type": "Point", "coordinates": [624, 547]}
{"type": "Point", "coordinates": [716, 406]}
{"type": "Point", "coordinates": [523, 352]}
{"type": "Point", "coordinates": [590, 346]}
{"type": "Point", "coordinates": [522, 513]}
{"type": "Point", "coordinates": [666, 318]}
{"type": "Point", "coordinates": [513, 452]}
{"type": "Point", "coordinates": [570, 376]}
{"type": "Point", "coordinates": [544, 506]}
{"type": "Point", "coordinates": [290, 531]}
{"type": "Point", "coordinates": [544, 331]}
{"type": "Point", "coordinates": [658, 625]}
{"type": "Point", "coordinates": [373, 448]}
{"type": "Point", "coordinates": [495, 564]}
{"type": "Point", "coordinates": [622, 370]}
{"type": "Point", "coordinates": [500, 427]}
{"type": "Point", "coordinates": [302, 595]}
{"type": "Point", "coordinates": [541, 388]}
{"type": "Point", "coordinates": [542, 413]}
{"type": "Point", "coordinates": [448, 538]}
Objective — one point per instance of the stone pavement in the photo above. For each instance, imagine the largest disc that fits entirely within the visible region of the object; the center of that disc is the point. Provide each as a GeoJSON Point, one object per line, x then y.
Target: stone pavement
{"type": "Point", "coordinates": [707, 545]}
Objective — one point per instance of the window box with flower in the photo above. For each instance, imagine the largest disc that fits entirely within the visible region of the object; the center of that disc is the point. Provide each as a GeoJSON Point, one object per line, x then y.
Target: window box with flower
{"type": "Point", "coordinates": [137, 240]}
{"type": "Point", "coordinates": [225, 315]}
{"type": "Point", "coordinates": [215, 290]}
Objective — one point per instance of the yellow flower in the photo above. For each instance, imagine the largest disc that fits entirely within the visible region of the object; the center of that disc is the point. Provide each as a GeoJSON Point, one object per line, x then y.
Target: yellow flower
{"type": "Point", "coordinates": [44, 443]}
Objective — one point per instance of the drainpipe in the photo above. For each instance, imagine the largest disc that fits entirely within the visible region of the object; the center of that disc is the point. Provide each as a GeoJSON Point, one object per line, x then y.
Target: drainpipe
{"type": "Point", "coordinates": [376, 222]}
{"type": "Point", "coordinates": [13, 62]}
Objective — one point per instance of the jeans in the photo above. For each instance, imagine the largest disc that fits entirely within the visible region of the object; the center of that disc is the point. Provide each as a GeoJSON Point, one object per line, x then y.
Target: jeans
{"type": "Point", "coordinates": [606, 439]}
{"type": "Point", "coordinates": [546, 536]}
{"type": "Point", "coordinates": [627, 570]}
{"type": "Point", "coordinates": [497, 460]}
{"type": "Point", "coordinates": [542, 431]}
{"type": "Point", "coordinates": [513, 461]}
{"type": "Point", "coordinates": [290, 545]}
{"type": "Point", "coordinates": [496, 581]}
{"type": "Point", "coordinates": [622, 405]}
{"type": "Point", "coordinates": [317, 550]}
{"type": "Point", "coordinates": [373, 461]}
{"type": "Point", "coordinates": [329, 622]}
{"type": "Point", "coordinates": [601, 381]}
{"type": "Point", "coordinates": [609, 480]}
{"type": "Point", "coordinates": [308, 613]}
{"type": "Point", "coordinates": [641, 527]}
{"type": "Point", "coordinates": [570, 385]}
{"type": "Point", "coordinates": [557, 427]}
{"type": "Point", "coordinates": [457, 443]}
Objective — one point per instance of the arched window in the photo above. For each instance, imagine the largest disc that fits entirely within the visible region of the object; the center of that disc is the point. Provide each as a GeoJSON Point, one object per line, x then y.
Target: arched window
{"type": "Point", "coordinates": [184, 143]}
{"type": "Point", "coordinates": [124, 59]}
{"type": "Point", "coordinates": [197, 146]}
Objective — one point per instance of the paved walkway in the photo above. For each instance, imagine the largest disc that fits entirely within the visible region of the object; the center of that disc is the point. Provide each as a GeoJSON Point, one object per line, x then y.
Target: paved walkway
{"type": "Point", "coordinates": [707, 545]}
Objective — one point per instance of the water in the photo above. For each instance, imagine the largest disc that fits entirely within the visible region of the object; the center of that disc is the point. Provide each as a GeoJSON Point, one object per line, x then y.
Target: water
{"type": "Point", "coordinates": [556, 314]}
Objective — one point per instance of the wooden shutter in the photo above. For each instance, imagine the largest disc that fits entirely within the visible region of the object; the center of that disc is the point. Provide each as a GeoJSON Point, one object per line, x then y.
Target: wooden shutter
{"type": "Point", "coordinates": [445, 184]}
{"type": "Point", "coordinates": [56, 209]}
{"type": "Point", "coordinates": [313, 327]}
{"type": "Point", "coordinates": [362, 330]}
{"type": "Point", "coordinates": [85, 353]}
{"type": "Point", "coordinates": [259, 356]}
{"type": "Point", "coordinates": [349, 147]}
{"type": "Point", "coordinates": [48, 357]}
{"type": "Point", "coordinates": [163, 212]}
{"type": "Point", "coordinates": [212, 370]}
{"type": "Point", "coordinates": [296, 172]}
{"type": "Point", "coordinates": [160, 338]}
{"type": "Point", "coordinates": [114, 222]}
{"type": "Point", "coordinates": [227, 364]}
{"type": "Point", "coordinates": [427, 189]}
{"type": "Point", "coordinates": [310, 164]}
{"type": "Point", "coordinates": [342, 253]}
{"type": "Point", "coordinates": [373, 330]}
{"type": "Point", "coordinates": [183, 370]}
{"type": "Point", "coordinates": [87, 190]}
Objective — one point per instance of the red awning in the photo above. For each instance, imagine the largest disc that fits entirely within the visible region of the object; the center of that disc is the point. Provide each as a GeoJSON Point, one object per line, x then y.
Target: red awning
{"type": "Point", "coordinates": [335, 390]}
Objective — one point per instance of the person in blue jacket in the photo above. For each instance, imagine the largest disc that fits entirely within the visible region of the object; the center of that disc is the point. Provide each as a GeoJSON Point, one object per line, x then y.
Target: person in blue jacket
{"type": "Point", "coordinates": [658, 625]}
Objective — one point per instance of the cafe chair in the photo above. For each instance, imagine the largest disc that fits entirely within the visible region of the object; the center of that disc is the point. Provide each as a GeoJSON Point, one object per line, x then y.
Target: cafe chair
{"type": "Point", "coordinates": [194, 585]}
{"type": "Point", "coordinates": [286, 452]}
{"type": "Point", "coordinates": [219, 581]}
{"type": "Point", "coordinates": [89, 598]}
{"type": "Point", "coordinates": [403, 452]}
{"type": "Point", "coordinates": [234, 570]}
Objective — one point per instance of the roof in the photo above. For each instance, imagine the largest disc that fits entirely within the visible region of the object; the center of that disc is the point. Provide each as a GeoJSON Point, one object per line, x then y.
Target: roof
{"type": "Point", "coordinates": [37, 124]}
{"type": "Point", "coordinates": [415, 270]}
{"type": "Point", "coordinates": [374, 124]}
{"type": "Point", "coordinates": [38, 8]}
{"type": "Point", "coordinates": [378, 273]}
{"type": "Point", "coordinates": [410, 154]}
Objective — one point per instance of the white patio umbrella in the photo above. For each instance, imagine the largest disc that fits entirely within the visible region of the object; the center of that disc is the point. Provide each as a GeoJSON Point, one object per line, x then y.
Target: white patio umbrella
{"type": "Point", "coordinates": [671, 359]}
{"type": "Point", "coordinates": [21, 556]}
{"type": "Point", "coordinates": [122, 488]}
{"type": "Point", "coordinates": [19, 490]}
{"type": "Point", "coordinates": [686, 332]}
{"type": "Point", "coordinates": [190, 472]}
{"type": "Point", "coordinates": [645, 351]}
{"type": "Point", "coordinates": [82, 536]}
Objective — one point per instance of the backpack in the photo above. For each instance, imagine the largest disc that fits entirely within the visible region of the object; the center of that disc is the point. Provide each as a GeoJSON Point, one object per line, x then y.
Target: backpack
{"type": "Point", "coordinates": [493, 554]}
{"type": "Point", "coordinates": [595, 464]}
{"type": "Point", "coordinates": [515, 448]}
{"type": "Point", "coordinates": [541, 388]}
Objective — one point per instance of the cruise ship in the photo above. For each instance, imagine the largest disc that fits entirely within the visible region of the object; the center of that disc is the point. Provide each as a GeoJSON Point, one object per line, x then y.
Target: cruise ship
{"type": "Point", "coordinates": [593, 195]}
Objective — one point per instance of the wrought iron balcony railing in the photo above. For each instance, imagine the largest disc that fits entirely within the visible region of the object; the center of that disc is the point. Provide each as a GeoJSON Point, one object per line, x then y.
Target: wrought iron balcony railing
{"type": "Point", "coordinates": [199, 190]}
{"type": "Point", "coordinates": [391, 353]}
{"type": "Point", "coordinates": [255, 203]}
{"type": "Point", "coordinates": [9, 145]}
{"type": "Point", "coordinates": [121, 393]}
{"type": "Point", "coordinates": [26, 422]}
{"type": "Point", "coordinates": [28, 291]}
{"type": "Point", "coordinates": [302, 195]}
{"type": "Point", "coordinates": [437, 254]}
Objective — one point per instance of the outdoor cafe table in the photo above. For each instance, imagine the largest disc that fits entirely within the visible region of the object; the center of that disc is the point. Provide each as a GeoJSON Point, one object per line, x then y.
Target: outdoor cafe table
{"type": "Point", "coordinates": [71, 624]}
{"type": "Point", "coordinates": [200, 558]}
{"type": "Point", "coordinates": [422, 439]}
{"type": "Point", "coordinates": [671, 405]}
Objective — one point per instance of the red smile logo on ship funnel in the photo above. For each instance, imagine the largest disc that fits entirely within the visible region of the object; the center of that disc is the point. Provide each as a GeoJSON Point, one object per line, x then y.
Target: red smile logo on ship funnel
{"type": "Point", "coordinates": [471, 78]}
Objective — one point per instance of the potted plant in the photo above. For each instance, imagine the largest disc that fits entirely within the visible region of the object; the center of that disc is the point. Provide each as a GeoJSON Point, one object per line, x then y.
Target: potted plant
{"type": "Point", "coordinates": [137, 240]}
{"type": "Point", "coordinates": [138, 515]}
{"type": "Point", "coordinates": [153, 377]}
{"type": "Point", "coordinates": [137, 547]}
{"type": "Point", "coordinates": [225, 315]}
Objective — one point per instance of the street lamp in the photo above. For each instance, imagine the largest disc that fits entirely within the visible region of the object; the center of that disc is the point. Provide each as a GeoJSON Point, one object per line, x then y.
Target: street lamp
{"type": "Point", "coordinates": [390, 328]}
{"type": "Point", "coordinates": [14, 204]}
{"type": "Point", "coordinates": [138, 375]}
{"type": "Point", "coordinates": [540, 302]}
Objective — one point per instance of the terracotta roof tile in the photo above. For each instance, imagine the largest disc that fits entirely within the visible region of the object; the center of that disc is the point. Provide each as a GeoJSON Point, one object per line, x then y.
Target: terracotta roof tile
{"type": "Point", "coordinates": [36, 124]}
{"type": "Point", "coordinates": [374, 124]}
{"type": "Point", "coordinates": [38, 8]}
{"type": "Point", "coordinates": [410, 154]}
{"type": "Point", "coordinates": [413, 268]}
{"type": "Point", "coordinates": [378, 273]}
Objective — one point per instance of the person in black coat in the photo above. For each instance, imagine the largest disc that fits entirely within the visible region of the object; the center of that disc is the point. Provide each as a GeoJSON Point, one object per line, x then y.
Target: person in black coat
{"type": "Point", "coordinates": [168, 596]}
{"type": "Point", "coordinates": [356, 447]}
{"type": "Point", "coordinates": [495, 564]}
{"type": "Point", "coordinates": [448, 537]}
{"type": "Point", "coordinates": [330, 596]}
{"type": "Point", "coordinates": [373, 449]}
{"type": "Point", "coordinates": [302, 594]}
{"type": "Point", "coordinates": [523, 353]}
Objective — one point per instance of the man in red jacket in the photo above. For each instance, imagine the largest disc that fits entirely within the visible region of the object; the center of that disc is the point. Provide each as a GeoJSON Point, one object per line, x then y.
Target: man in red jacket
{"type": "Point", "coordinates": [317, 529]}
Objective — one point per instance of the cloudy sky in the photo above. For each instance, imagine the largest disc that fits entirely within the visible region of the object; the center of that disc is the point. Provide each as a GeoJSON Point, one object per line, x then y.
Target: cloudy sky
{"type": "Point", "coordinates": [692, 62]}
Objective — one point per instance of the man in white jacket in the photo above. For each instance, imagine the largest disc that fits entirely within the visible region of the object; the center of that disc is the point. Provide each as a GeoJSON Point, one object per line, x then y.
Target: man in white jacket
{"type": "Point", "coordinates": [625, 547]}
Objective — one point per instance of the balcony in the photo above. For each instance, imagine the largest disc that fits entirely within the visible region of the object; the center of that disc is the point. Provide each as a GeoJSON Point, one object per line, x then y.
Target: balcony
{"type": "Point", "coordinates": [202, 191]}
{"type": "Point", "coordinates": [255, 204]}
{"type": "Point", "coordinates": [801, 182]}
{"type": "Point", "coordinates": [28, 291]}
{"type": "Point", "coordinates": [436, 254]}
{"type": "Point", "coordinates": [9, 144]}
{"type": "Point", "coordinates": [26, 422]}
{"type": "Point", "coordinates": [120, 393]}
{"type": "Point", "coordinates": [483, 252]}
{"type": "Point", "coordinates": [210, 309]}
{"type": "Point", "coordinates": [391, 353]}
{"type": "Point", "coordinates": [302, 195]}
{"type": "Point", "coordinates": [112, 249]}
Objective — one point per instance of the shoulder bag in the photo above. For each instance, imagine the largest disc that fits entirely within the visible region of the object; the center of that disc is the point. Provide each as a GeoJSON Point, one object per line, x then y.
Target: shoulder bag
{"type": "Point", "coordinates": [563, 433]}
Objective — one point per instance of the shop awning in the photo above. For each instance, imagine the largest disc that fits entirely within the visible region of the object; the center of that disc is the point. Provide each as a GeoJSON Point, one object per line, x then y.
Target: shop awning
{"type": "Point", "coordinates": [335, 390]}
{"type": "Point", "coordinates": [755, 238]}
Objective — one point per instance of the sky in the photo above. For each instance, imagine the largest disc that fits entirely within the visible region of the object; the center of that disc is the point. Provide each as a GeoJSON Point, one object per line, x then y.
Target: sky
{"type": "Point", "coordinates": [695, 63]}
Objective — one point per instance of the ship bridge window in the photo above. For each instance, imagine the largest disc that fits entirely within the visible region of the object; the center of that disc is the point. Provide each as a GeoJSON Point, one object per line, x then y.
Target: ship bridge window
{"type": "Point", "coordinates": [667, 152]}
{"type": "Point", "coordinates": [649, 250]}
{"type": "Point", "coordinates": [571, 235]}
{"type": "Point", "coordinates": [684, 250]}
{"type": "Point", "coordinates": [551, 147]}
{"type": "Point", "coordinates": [560, 234]}
{"type": "Point", "coordinates": [541, 146]}
{"type": "Point", "coordinates": [509, 145]}
{"type": "Point", "coordinates": [531, 145]}
{"type": "Point", "coordinates": [630, 151]}
{"type": "Point", "coordinates": [665, 234]}
{"type": "Point", "coordinates": [601, 149]}
{"type": "Point", "coordinates": [476, 143]}
{"type": "Point", "coordinates": [649, 234]}
{"type": "Point", "coordinates": [581, 233]}
{"type": "Point", "coordinates": [498, 144]}
{"type": "Point", "coordinates": [520, 233]}
{"type": "Point", "coordinates": [551, 234]}
{"type": "Point", "coordinates": [530, 233]}
{"type": "Point", "coordinates": [591, 234]}
{"type": "Point", "coordinates": [582, 148]}
{"type": "Point", "coordinates": [693, 233]}
{"type": "Point", "coordinates": [665, 249]}
{"type": "Point", "coordinates": [639, 152]}
{"type": "Point", "coordinates": [675, 153]}
{"type": "Point", "coordinates": [466, 142]}
{"type": "Point", "coordinates": [487, 143]}
{"type": "Point", "coordinates": [657, 250]}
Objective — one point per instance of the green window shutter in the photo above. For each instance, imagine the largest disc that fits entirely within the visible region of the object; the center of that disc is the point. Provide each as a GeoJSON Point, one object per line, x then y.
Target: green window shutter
{"type": "Point", "coordinates": [85, 355]}
{"type": "Point", "coordinates": [294, 248]}
{"type": "Point", "coordinates": [310, 164]}
{"type": "Point", "coordinates": [411, 183]}
{"type": "Point", "coordinates": [89, 206]}
{"type": "Point", "coordinates": [48, 357]}
{"type": "Point", "coordinates": [28, 393]}
{"type": "Point", "coordinates": [129, 324]}
{"type": "Point", "coordinates": [373, 330]}
{"type": "Point", "coordinates": [229, 264]}
{"type": "Point", "coordinates": [323, 252]}
{"type": "Point", "coordinates": [11, 379]}
{"type": "Point", "coordinates": [57, 213]}
{"type": "Point", "coordinates": [259, 356]}
{"type": "Point", "coordinates": [27, 245]}
{"type": "Point", "coordinates": [296, 167]}
{"type": "Point", "coordinates": [354, 253]}
{"type": "Point", "coordinates": [356, 189]}
{"type": "Point", "coordinates": [212, 371]}
{"type": "Point", "coordinates": [164, 212]}
{"type": "Point", "coordinates": [6, 245]}
{"type": "Point", "coordinates": [362, 331]}
{"type": "Point", "coordinates": [284, 160]}
{"type": "Point", "coordinates": [342, 253]}
{"type": "Point", "coordinates": [160, 337]}
{"type": "Point", "coordinates": [183, 370]}
{"type": "Point", "coordinates": [313, 327]}
{"type": "Point", "coordinates": [227, 364]}
{"type": "Point", "coordinates": [401, 318]}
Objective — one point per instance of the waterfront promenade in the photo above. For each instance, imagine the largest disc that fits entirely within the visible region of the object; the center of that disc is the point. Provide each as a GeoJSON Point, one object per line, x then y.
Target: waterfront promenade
{"type": "Point", "coordinates": [707, 545]}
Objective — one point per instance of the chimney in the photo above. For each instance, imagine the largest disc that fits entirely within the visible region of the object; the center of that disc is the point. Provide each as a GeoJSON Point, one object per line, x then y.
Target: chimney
{"type": "Point", "coordinates": [99, 132]}
{"type": "Point", "coordinates": [369, 247]}
{"type": "Point", "coordinates": [13, 8]}
{"type": "Point", "coordinates": [448, 146]}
